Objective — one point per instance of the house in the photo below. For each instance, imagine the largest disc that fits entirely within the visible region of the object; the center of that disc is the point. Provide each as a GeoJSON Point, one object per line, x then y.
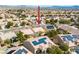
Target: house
{"type": "Point", "coordinates": [70, 39]}
{"type": "Point", "coordinates": [38, 29]}
{"type": "Point", "coordinates": [27, 31]}
{"type": "Point", "coordinates": [42, 43]}
{"type": "Point", "coordinates": [76, 49]}
{"type": "Point", "coordinates": [7, 35]}
{"type": "Point", "coordinates": [18, 50]}
{"type": "Point", "coordinates": [70, 29]}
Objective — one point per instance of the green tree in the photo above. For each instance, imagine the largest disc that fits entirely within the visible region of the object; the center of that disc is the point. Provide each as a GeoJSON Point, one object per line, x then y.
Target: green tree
{"type": "Point", "coordinates": [0, 27]}
{"type": "Point", "coordinates": [62, 21]}
{"type": "Point", "coordinates": [60, 31]}
{"type": "Point", "coordinates": [47, 21]}
{"type": "Point", "coordinates": [7, 41]}
{"type": "Point", "coordinates": [33, 16]}
{"type": "Point", "coordinates": [49, 12]}
{"type": "Point", "coordinates": [16, 25]}
{"type": "Point", "coordinates": [51, 33]}
{"type": "Point", "coordinates": [56, 21]}
{"type": "Point", "coordinates": [39, 51]}
{"type": "Point", "coordinates": [54, 50]}
{"type": "Point", "coordinates": [9, 24]}
{"type": "Point", "coordinates": [1, 17]}
{"type": "Point", "coordinates": [78, 19]}
{"type": "Point", "coordinates": [64, 47]}
{"type": "Point", "coordinates": [23, 16]}
{"type": "Point", "coordinates": [23, 23]}
{"type": "Point", "coordinates": [52, 21]}
{"type": "Point", "coordinates": [26, 36]}
{"type": "Point", "coordinates": [20, 37]}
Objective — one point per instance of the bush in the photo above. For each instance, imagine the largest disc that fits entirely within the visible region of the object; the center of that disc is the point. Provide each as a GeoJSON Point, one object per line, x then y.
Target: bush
{"type": "Point", "coordinates": [54, 50]}
{"type": "Point", "coordinates": [64, 47]}
{"type": "Point", "coordinates": [1, 17]}
{"type": "Point", "coordinates": [20, 37]}
{"type": "Point", "coordinates": [64, 21]}
{"type": "Point", "coordinates": [9, 24]}
{"type": "Point", "coordinates": [52, 33]}
{"type": "Point", "coordinates": [23, 23]}
{"type": "Point", "coordinates": [7, 41]}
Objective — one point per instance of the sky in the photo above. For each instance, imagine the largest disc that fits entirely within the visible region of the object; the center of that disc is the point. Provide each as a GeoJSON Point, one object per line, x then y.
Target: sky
{"type": "Point", "coordinates": [39, 2]}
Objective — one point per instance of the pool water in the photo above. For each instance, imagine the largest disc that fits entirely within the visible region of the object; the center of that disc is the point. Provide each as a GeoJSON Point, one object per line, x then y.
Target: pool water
{"type": "Point", "coordinates": [40, 41]}
{"type": "Point", "coordinates": [50, 27]}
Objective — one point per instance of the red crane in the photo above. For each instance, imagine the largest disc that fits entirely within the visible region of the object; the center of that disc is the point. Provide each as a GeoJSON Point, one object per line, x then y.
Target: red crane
{"type": "Point", "coordinates": [38, 16]}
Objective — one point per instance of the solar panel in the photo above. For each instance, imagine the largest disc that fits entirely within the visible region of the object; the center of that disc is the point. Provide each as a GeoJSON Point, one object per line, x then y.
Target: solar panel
{"type": "Point", "coordinates": [70, 37]}
{"type": "Point", "coordinates": [67, 38]}
{"type": "Point", "coordinates": [20, 51]}
{"type": "Point", "coordinates": [10, 52]}
{"type": "Point", "coordinates": [77, 49]}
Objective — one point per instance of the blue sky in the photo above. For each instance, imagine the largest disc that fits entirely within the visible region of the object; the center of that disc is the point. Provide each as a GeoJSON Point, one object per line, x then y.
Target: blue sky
{"type": "Point", "coordinates": [39, 2]}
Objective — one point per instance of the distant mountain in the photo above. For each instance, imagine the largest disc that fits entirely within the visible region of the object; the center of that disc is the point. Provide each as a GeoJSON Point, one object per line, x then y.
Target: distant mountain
{"type": "Point", "coordinates": [64, 7]}
{"type": "Point", "coordinates": [30, 6]}
{"type": "Point", "coordinates": [16, 7]}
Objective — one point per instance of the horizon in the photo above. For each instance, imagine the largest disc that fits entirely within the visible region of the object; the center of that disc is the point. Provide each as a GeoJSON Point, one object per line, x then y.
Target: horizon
{"type": "Point", "coordinates": [43, 5]}
{"type": "Point", "coordinates": [39, 2]}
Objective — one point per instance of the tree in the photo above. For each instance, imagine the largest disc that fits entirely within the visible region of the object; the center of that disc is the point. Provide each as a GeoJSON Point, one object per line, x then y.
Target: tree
{"type": "Point", "coordinates": [54, 50]}
{"type": "Point", "coordinates": [33, 16]}
{"type": "Point", "coordinates": [55, 20]}
{"type": "Point", "coordinates": [47, 21]}
{"type": "Point", "coordinates": [72, 20]}
{"type": "Point", "coordinates": [51, 33]}
{"type": "Point", "coordinates": [62, 21]}
{"type": "Point", "coordinates": [49, 12]}
{"type": "Point", "coordinates": [7, 41]}
{"type": "Point", "coordinates": [20, 37]}
{"type": "Point", "coordinates": [39, 51]}
{"type": "Point", "coordinates": [78, 19]}
{"type": "Point", "coordinates": [23, 16]}
{"type": "Point", "coordinates": [64, 47]}
{"type": "Point", "coordinates": [1, 17]}
{"type": "Point", "coordinates": [26, 36]}
{"type": "Point", "coordinates": [9, 24]}
{"type": "Point", "coordinates": [0, 27]}
{"type": "Point", "coordinates": [60, 31]}
{"type": "Point", "coordinates": [51, 21]}
{"type": "Point", "coordinates": [23, 23]}
{"type": "Point", "coordinates": [16, 25]}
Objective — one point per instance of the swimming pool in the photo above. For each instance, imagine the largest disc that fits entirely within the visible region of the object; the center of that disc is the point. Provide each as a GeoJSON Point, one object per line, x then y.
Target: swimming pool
{"type": "Point", "coordinates": [40, 41]}
{"type": "Point", "coordinates": [50, 27]}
